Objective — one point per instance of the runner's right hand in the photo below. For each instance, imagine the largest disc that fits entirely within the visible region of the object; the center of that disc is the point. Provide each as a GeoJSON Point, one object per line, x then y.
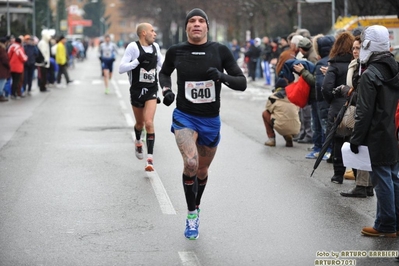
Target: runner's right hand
{"type": "Point", "coordinates": [168, 97]}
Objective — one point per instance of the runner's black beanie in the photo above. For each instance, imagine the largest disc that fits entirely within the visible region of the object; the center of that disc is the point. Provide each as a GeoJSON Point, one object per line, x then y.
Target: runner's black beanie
{"type": "Point", "coordinates": [196, 12]}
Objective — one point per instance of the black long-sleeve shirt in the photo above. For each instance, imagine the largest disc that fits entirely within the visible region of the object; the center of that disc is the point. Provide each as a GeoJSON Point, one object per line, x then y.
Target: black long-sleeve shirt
{"type": "Point", "coordinates": [195, 92]}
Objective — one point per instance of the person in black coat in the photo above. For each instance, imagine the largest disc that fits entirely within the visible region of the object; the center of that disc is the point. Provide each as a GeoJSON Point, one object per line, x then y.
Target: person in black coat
{"type": "Point", "coordinates": [253, 54]}
{"type": "Point", "coordinates": [340, 57]}
{"type": "Point", "coordinates": [32, 52]}
{"type": "Point", "coordinates": [377, 100]}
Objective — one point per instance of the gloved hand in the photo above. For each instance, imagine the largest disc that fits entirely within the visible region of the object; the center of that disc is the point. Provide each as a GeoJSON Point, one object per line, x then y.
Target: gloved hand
{"type": "Point", "coordinates": [214, 74]}
{"type": "Point", "coordinates": [341, 91]}
{"type": "Point", "coordinates": [143, 57]}
{"type": "Point", "coordinates": [354, 148]}
{"type": "Point", "coordinates": [158, 100]}
{"type": "Point", "coordinates": [168, 97]}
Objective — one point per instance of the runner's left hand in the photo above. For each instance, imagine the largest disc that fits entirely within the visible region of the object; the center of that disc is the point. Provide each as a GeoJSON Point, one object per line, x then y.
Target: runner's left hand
{"type": "Point", "coordinates": [214, 74]}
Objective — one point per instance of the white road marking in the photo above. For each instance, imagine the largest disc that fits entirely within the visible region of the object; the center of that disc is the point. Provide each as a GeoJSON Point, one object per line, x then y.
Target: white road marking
{"type": "Point", "coordinates": [188, 258]}
{"type": "Point", "coordinates": [116, 87]}
{"type": "Point", "coordinates": [96, 81]}
{"type": "Point", "coordinates": [123, 81]}
{"type": "Point", "coordinates": [122, 104]}
{"type": "Point", "coordinates": [118, 93]}
{"type": "Point", "coordinates": [160, 192]}
{"type": "Point", "coordinates": [129, 120]}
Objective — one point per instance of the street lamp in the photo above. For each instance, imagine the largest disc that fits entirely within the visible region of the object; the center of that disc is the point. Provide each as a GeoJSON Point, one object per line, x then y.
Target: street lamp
{"type": "Point", "coordinates": [33, 18]}
{"type": "Point", "coordinates": [8, 18]}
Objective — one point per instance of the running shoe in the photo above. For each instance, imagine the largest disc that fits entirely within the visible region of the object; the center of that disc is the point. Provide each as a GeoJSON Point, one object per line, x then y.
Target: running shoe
{"type": "Point", "coordinates": [106, 91]}
{"type": "Point", "coordinates": [149, 166]}
{"type": "Point", "coordinates": [139, 149]}
{"type": "Point", "coordinates": [192, 224]}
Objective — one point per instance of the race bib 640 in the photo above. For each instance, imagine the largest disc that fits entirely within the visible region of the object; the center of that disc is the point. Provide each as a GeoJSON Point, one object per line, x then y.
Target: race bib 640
{"type": "Point", "coordinates": [200, 91]}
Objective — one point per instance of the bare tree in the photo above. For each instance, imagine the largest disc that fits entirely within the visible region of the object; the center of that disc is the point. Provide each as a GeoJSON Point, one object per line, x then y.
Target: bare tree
{"type": "Point", "coordinates": [261, 17]}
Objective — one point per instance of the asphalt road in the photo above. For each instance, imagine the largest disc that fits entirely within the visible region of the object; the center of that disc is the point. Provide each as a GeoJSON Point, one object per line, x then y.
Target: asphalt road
{"type": "Point", "coordinates": [73, 193]}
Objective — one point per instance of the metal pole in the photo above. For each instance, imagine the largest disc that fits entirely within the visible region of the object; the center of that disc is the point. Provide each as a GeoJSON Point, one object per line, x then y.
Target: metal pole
{"type": "Point", "coordinates": [332, 13]}
{"type": "Point", "coordinates": [8, 18]}
{"type": "Point", "coordinates": [299, 14]}
{"type": "Point", "coordinates": [48, 15]}
{"type": "Point", "coordinates": [57, 19]}
{"type": "Point", "coordinates": [346, 8]}
{"type": "Point", "coordinates": [33, 18]}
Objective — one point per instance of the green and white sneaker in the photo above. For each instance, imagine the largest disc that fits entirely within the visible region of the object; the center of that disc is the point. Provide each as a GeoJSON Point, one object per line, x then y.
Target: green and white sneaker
{"type": "Point", "coordinates": [192, 224]}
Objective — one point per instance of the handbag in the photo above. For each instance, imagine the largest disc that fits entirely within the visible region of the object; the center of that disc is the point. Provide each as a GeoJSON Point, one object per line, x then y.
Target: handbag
{"type": "Point", "coordinates": [347, 124]}
{"type": "Point", "coordinates": [298, 92]}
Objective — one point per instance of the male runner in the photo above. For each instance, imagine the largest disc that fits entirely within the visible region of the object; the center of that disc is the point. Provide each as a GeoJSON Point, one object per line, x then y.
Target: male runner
{"type": "Point", "coordinates": [108, 51]}
{"type": "Point", "coordinates": [142, 60]}
{"type": "Point", "coordinates": [196, 122]}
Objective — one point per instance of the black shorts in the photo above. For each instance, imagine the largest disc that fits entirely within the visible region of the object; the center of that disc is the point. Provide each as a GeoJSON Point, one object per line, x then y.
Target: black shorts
{"type": "Point", "coordinates": [138, 97]}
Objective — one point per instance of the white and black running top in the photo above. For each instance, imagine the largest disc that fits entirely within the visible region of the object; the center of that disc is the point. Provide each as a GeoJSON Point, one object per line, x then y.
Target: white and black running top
{"type": "Point", "coordinates": [129, 60]}
{"type": "Point", "coordinates": [108, 50]}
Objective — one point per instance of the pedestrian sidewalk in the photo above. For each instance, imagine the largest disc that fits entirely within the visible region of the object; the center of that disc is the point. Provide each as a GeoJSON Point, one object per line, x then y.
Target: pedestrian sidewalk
{"type": "Point", "coordinates": [15, 112]}
{"type": "Point", "coordinates": [259, 83]}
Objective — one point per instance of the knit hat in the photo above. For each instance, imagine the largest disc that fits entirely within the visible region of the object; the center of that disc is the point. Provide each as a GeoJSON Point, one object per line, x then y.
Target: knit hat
{"type": "Point", "coordinates": [281, 83]}
{"type": "Point", "coordinates": [305, 44]}
{"type": "Point", "coordinates": [374, 39]}
{"type": "Point", "coordinates": [257, 42]}
{"type": "Point", "coordinates": [295, 39]}
{"type": "Point", "coordinates": [196, 12]}
{"type": "Point", "coordinates": [357, 31]}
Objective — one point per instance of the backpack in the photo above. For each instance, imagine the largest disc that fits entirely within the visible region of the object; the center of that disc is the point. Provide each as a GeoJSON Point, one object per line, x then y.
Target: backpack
{"type": "Point", "coordinates": [39, 57]}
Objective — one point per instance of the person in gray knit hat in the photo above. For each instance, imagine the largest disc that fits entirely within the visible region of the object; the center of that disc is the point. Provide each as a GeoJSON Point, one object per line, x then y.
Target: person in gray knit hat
{"type": "Point", "coordinates": [377, 100]}
{"type": "Point", "coordinates": [200, 66]}
{"type": "Point", "coordinates": [197, 12]}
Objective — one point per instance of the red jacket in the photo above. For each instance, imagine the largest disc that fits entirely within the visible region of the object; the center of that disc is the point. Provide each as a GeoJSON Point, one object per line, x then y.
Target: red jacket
{"type": "Point", "coordinates": [17, 57]}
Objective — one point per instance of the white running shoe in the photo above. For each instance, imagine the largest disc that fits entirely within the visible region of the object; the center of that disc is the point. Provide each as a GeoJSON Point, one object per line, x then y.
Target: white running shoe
{"type": "Point", "coordinates": [139, 149]}
{"type": "Point", "coordinates": [149, 166]}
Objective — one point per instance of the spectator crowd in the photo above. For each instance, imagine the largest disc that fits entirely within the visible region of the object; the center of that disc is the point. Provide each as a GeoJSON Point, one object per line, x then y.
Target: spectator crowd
{"type": "Point", "coordinates": [317, 80]}
{"type": "Point", "coordinates": [25, 58]}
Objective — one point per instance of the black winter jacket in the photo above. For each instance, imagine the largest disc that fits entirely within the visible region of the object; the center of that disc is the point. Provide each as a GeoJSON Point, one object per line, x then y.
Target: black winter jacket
{"type": "Point", "coordinates": [315, 80]}
{"type": "Point", "coordinates": [335, 76]}
{"type": "Point", "coordinates": [378, 94]}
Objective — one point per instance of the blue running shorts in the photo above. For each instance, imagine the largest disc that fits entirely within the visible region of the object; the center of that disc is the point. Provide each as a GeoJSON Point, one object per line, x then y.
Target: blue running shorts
{"type": "Point", "coordinates": [107, 63]}
{"type": "Point", "coordinates": [208, 128]}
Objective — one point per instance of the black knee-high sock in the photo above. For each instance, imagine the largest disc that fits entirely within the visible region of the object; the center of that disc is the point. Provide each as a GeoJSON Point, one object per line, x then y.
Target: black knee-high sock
{"type": "Point", "coordinates": [138, 133]}
{"type": "Point", "coordinates": [190, 185]}
{"type": "Point", "coordinates": [150, 142]}
{"type": "Point", "coordinates": [201, 188]}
